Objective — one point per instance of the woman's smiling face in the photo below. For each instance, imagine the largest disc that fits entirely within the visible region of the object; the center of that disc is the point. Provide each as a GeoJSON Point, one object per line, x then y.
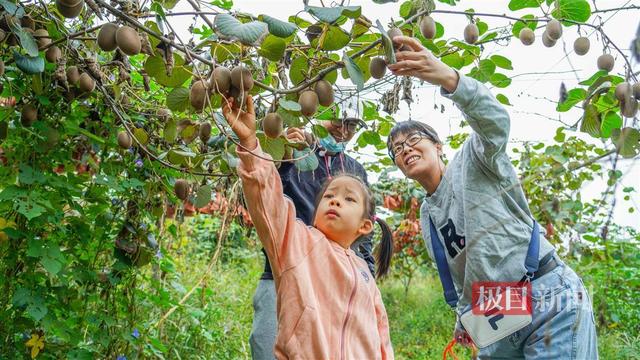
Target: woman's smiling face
{"type": "Point", "coordinates": [416, 154]}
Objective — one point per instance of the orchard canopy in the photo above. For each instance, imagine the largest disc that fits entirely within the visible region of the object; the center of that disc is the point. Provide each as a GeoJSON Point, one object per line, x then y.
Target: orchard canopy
{"type": "Point", "coordinates": [111, 134]}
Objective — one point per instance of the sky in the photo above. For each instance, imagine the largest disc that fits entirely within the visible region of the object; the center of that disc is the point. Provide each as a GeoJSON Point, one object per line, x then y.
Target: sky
{"type": "Point", "coordinates": [532, 94]}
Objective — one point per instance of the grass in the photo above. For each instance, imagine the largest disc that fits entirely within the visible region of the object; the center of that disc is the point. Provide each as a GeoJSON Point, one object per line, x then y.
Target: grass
{"type": "Point", "coordinates": [420, 321]}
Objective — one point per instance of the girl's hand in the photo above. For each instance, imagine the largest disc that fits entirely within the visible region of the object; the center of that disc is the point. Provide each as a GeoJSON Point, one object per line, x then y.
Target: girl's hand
{"type": "Point", "coordinates": [243, 123]}
{"type": "Point", "coordinates": [461, 335]}
{"type": "Point", "coordinates": [420, 63]}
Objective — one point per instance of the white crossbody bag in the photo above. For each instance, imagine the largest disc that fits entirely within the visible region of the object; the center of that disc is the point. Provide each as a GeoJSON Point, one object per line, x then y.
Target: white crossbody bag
{"type": "Point", "coordinates": [486, 328]}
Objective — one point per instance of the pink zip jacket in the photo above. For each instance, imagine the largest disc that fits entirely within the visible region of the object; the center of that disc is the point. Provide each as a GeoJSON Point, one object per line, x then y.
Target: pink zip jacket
{"type": "Point", "coordinates": [329, 306]}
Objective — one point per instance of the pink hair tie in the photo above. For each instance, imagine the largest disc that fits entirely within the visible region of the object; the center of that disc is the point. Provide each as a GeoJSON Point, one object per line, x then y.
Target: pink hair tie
{"type": "Point", "coordinates": [374, 218]}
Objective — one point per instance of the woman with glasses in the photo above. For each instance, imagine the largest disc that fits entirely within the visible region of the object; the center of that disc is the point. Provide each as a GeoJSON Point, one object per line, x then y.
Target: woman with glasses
{"type": "Point", "coordinates": [478, 228]}
{"type": "Point", "coordinates": [302, 187]}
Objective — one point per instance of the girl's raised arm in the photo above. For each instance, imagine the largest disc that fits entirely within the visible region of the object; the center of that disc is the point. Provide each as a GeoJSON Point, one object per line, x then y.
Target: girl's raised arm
{"type": "Point", "coordinates": [273, 215]}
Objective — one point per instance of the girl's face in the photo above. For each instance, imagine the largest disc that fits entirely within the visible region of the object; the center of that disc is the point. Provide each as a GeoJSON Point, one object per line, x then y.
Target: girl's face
{"type": "Point", "coordinates": [340, 213]}
{"type": "Point", "coordinates": [417, 156]}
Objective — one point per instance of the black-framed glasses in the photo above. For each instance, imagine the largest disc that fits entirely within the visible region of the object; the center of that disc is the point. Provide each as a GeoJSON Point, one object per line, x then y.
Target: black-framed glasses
{"type": "Point", "coordinates": [411, 140]}
{"type": "Point", "coordinates": [351, 124]}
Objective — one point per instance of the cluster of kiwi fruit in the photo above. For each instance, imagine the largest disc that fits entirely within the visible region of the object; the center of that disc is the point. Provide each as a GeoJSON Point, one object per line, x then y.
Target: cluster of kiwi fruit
{"type": "Point", "coordinates": [52, 54]}
{"type": "Point", "coordinates": [628, 96]}
{"type": "Point", "coordinates": [82, 80]}
{"type": "Point", "coordinates": [70, 8]}
{"type": "Point", "coordinates": [236, 83]}
{"type": "Point", "coordinates": [321, 93]}
{"type": "Point", "coordinates": [126, 38]}
{"type": "Point", "coordinates": [552, 33]}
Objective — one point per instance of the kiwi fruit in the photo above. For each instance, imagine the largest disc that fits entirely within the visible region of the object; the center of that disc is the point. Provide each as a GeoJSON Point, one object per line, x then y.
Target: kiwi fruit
{"type": "Point", "coordinates": [29, 115]}
{"type": "Point", "coordinates": [86, 83]}
{"type": "Point", "coordinates": [42, 37]}
{"type": "Point", "coordinates": [181, 188]}
{"type": "Point", "coordinates": [53, 54]}
{"type": "Point", "coordinates": [606, 62]}
{"type": "Point", "coordinates": [69, 11]}
{"type": "Point", "coordinates": [629, 107]}
{"type": "Point", "coordinates": [393, 32]}
{"type": "Point", "coordinates": [128, 40]}
{"type": "Point", "coordinates": [73, 75]}
{"type": "Point", "coordinates": [623, 91]}
{"type": "Point", "coordinates": [471, 33]}
{"type": "Point", "coordinates": [27, 22]}
{"type": "Point", "coordinates": [205, 131]}
{"type": "Point", "coordinates": [163, 114]}
{"type": "Point", "coordinates": [272, 125]}
{"type": "Point", "coordinates": [239, 97]}
{"type": "Point", "coordinates": [220, 80]}
{"type": "Point", "coordinates": [377, 67]}
{"type": "Point", "coordinates": [527, 36]}
{"type": "Point", "coordinates": [71, 3]}
{"type": "Point", "coordinates": [554, 29]}
{"type": "Point", "coordinates": [124, 140]}
{"type": "Point", "coordinates": [428, 27]}
{"type": "Point", "coordinates": [636, 90]}
{"type": "Point", "coordinates": [241, 78]}
{"type": "Point", "coordinates": [1, 67]}
{"type": "Point", "coordinates": [324, 90]}
{"type": "Point", "coordinates": [198, 95]}
{"type": "Point", "coordinates": [547, 41]}
{"type": "Point", "coordinates": [581, 45]}
{"type": "Point", "coordinates": [308, 102]}
{"type": "Point", "coordinates": [107, 37]}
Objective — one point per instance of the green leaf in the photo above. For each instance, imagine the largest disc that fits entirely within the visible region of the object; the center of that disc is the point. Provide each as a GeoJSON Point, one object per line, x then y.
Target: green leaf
{"type": "Point", "coordinates": [611, 121]}
{"type": "Point", "coordinates": [307, 160]}
{"type": "Point", "coordinates": [454, 60]}
{"type": "Point", "coordinates": [30, 209]}
{"type": "Point", "coordinates": [333, 38]}
{"type": "Point", "coordinates": [523, 4]}
{"type": "Point", "coordinates": [178, 99]}
{"type": "Point", "coordinates": [170, 131]}
{"type": "Point", "coordinates": [501, 62]}
{"type": "Point", "coordinates": [273, 147]}
{"type": "Point", "coordinates": [29, 64]}
{"type": "Point", "coordinates": [574, 96]}
{"type": "Point", "coordinates": [406, 9]}
{"type": "Point", "coordinates": [591, 121]}
{"type": "Point", "coordinates": [248, 34]}
{"type": "Point", "coordinates": [12, 9]}
{"type": "Point", "coordinates": [300, 22]}
{"type": "Point", "coordinates": [371, 137]}
{"type": "Point", "coordinates": [289, 105]}
{"type": "Point", "coordinates": [483, 71]}
{"type": "Point", "coordinates": [355, 74]}
{"type": "Point", "coordinates": [277, 27]}
{"type": "Point", "coordinates": [37, 310]}
{"type": "Point", "coordinates": [290, 119]}
{"type": "Point", "coordinates": [503, 99]}
{"type": "Point", "coordinates": [298, 70]}
{"type": "Point", "coordinates": [627, 141]}
{"type": "Point", "coordinates": [500, 80]}
{"type": "Point", "coordinates": [155, 67]}
{"type": "Point", "coordinates": [331, 15]}
{"type": "Point", "coordinates": [594, 78]}
{"type": "Point", "coordinates": [387, 44]}
{"type": "Point", "coordinates": [224, 52]}
{"type": "Point", "coordinates": [27, 40]}
{"type": "Point", "coordinates": [272, 48]}
{"type": "Point", "coordinates": [141, 136]}
{"type": "Point", "coordinates": [576, 10]}
{"type": "Point", "coordinates": [203, 196]}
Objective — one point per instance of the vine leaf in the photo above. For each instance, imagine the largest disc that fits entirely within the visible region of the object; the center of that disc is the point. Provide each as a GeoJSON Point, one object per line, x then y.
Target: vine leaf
{"type": "Point", "coordinates": [355, 74]}
{"type": "Point", "coordinates": [26, 39]}
{"type": "Point", "coordinates": [203, 196]}
{"type": "Point", "coordinates": [576, 10]}
{"type": "Point", "coordinates": [627, 141]}
{"type": "Point", "coordinates": [272, 48]}
{"type": "Point", "coordinates": [178, 99]}
{"type": "Point", "coordinates": [331, 15]}
{"type": "Point", "coordinates": [387, 44]}
{"type": "Point", "coordinates": [307, 163]}
{"type": "Point", "coordinates": [277, 27]}
{"type": "Point", "coordinates": [591, 121]}
{"type": "Point", "coordinates": [249, 34]}
{"type": "Point", "coordinates": [29, 64]}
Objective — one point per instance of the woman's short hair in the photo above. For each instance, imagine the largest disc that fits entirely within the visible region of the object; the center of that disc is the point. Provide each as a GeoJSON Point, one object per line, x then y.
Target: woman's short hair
{"type": "Point", "coordinates": [408, 127]}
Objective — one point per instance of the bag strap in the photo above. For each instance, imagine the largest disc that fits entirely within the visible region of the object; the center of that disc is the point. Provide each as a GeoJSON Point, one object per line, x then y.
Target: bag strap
{"type": "Point", "coordinates": [450, 295]}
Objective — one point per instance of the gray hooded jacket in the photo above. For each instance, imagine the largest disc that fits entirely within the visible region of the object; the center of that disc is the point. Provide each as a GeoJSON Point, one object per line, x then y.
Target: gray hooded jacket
{"type": "Point", "coordinates": [479, 209]}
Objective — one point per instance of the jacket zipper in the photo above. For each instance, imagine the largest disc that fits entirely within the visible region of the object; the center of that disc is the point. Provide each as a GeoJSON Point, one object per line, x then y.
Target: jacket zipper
{"type": "Point", "coordinates": [346, 319]}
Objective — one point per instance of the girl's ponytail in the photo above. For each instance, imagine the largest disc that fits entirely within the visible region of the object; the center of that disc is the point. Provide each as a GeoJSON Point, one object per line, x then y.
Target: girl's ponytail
{"type": "Point", "coordinates": [385, 249]}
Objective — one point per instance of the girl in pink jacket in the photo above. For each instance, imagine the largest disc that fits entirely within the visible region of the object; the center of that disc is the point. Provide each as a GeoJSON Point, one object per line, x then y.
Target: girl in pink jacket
{"type": "Point", "coordinates": [329, 306]}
